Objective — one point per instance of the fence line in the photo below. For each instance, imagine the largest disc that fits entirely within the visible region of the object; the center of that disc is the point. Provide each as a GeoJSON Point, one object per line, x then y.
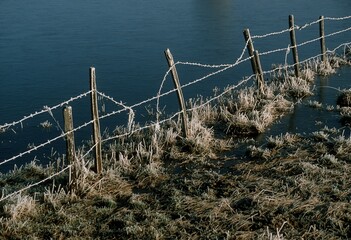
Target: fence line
{"type": "Point", "coordinates": [239, 60]}
{"type": "Point", "coordinates": [222, 68]}
{"type": "Point", "coordinates": [156, 124]}
{"type": "Point", "coordinates": [47, 109]}
{"type": "Point", "coordinates": [227, 66]}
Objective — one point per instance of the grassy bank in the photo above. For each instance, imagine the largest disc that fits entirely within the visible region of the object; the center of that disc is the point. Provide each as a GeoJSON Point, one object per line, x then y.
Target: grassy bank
{"type": "Point", "coordinates": [158, 185]}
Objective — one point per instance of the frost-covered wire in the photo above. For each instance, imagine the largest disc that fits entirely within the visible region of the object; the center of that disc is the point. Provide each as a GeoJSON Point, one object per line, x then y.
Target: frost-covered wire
{"type": "Point", "coordinates": [79, 159]}
{"type": "Point", "coordinates": [34, 148]}
{"type": "Point", "coordinates": [34, 184]}
{"type": "Point", "coordinates": [44, 110]}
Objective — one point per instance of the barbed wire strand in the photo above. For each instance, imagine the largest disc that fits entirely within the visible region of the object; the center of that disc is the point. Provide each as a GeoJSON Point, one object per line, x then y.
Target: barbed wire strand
{"type": "Point", "coordinates": [319, 55]}
{"type": "Point", "coordinates": [44, 110]}
{"type": "Point", "coordinates": [120, 104]}
{"type": "Point", "coordinates": [225, 67]}
{"type": "Point", "coordinates": [142, 128]}
{"type": "Point", "coordinates": [286, 30]}
{"type": "Point", "coordinates": [338, 18]}
{"type": "Point", "coordinates": [326, 36]}
{"type": "Point", "coordinates": [174, 115]}
{"type": "Point", "coordinates": [299, 27]}
{"type": "Point", "coordinates": [245, 80]}
{"type": "Point", "coordinates": [55, 120]}
{"type": "Point", "coordinates": [304, 43]}
{"type": "Point", "coordinates": [123, 135]}
{"type": "Point", "coordinates": [45, 143]}
{"type": "Point", "coordinates": [239, 60]}
{"type": "Point", "coordinates": [79, 159]}
{"type": "Point", "coordinates": [131, 114]}
{"type": "Point", "coordinates": [34, 184]}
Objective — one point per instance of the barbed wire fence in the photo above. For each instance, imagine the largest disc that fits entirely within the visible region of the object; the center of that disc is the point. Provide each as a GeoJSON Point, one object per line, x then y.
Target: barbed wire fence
{"type": "Point", "coordinates": [131, 109]}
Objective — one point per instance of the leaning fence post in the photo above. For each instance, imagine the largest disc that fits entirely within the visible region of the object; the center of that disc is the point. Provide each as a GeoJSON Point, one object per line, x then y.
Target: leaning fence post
{"type": "Point", "coordinates": [294, 45]}
{"type": "Point", "coordinates": [255, 61]}
{"type": "Point", "coordinates": [175, 77]}
{"type": "Point", "coordinates": [250, 49]}
{"type": "Point", "coordinates": [322, 38]}
{"type": "Point", "coordinates": [259, 76]}
{"type": "Point", "coordinates": [68, 127]}
{"type": "Point", "coordinates": [96, 122]}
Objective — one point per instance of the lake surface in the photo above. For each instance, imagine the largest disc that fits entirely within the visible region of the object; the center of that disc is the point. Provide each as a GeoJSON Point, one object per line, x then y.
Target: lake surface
{"type": "Point", "coordinates": [47, 47]}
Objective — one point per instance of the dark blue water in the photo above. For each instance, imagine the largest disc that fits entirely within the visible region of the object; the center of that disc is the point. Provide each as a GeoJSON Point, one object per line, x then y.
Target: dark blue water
{"type": "Point", "coordinates": [47, 47]}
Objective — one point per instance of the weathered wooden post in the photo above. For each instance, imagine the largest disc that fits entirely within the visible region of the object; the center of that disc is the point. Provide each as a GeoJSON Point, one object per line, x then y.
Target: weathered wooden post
{"type": "Point", "coordinates": [260, 79]}
{"type": "Point", "coordinates": [255, 61]}
{"type": "Point", "coordinates": [322, 38]}
{"type": "Point", "coordinates": [175, 77]}
{"type": "Point", "coordinates": [294, 45]}
{"type": "Point", "coordinates": [96, 122]}
{"type": "Point", "coordinates": [250, 49]}
{"type": "Point", "coordinates": [71, 152]}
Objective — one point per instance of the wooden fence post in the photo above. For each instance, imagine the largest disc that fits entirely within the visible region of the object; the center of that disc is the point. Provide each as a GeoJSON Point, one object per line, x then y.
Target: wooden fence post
{"type": "Point", "coordinates": [96, 122]}
{"type": "Point", "coordinates": [259, 76]}
{"type": "Point", "coordinates": [250, 49]}
{"type": "Point", "coordinates": [294, 45]}
{"type": "Point", "coordinates": [175, 77]}
{"type": "Point", "coordinates": [322, 40]}
{"type": "Point", "coordinates": [255, 61]}
{"type": "Point", "coordinates": [71, 152]}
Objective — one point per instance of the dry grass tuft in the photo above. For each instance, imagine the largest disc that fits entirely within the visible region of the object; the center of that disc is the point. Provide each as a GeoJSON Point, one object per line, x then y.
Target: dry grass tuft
{"type": "Point", "coordinates": [246, 114]}
{"type": "Point", "coordinates": [19, 207]}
